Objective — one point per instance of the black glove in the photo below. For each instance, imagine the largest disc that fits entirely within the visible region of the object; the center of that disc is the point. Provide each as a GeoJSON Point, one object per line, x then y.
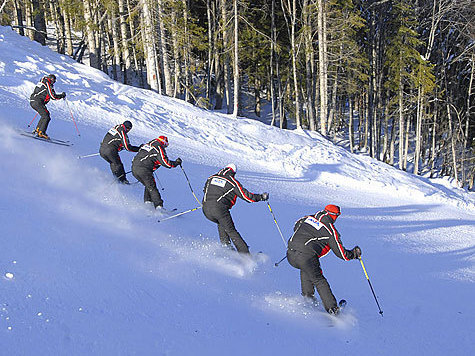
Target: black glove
{"type": "Point", "coordinates": [62, 95]}
{"type": "Point", "coordinates": [178, 162]}
{"type": "Point", "coordinates": [264, 196]}
{"type": "Point", "coordinates": [356, 252]}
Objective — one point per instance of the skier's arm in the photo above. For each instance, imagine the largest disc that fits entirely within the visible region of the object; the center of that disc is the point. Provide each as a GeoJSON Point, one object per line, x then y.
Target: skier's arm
{"type": "Point", "coordinates": [243, 193]}
{"type": "Point", "coordinates": [162, 157]}
{"type": "Point", "coordinates": [51, 91]}
{"type": "Point", "coordinates": [337, 246]}
{"type": "Point", "coordinates": [126, 141]}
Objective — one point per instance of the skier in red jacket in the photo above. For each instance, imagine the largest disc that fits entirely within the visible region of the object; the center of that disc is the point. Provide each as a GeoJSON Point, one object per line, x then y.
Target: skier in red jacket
{"type": "Point", "coordinates": [113, 142]}
{"type": "Point", "coordinates": [220, 194]}
{"type": "Point", "coordinates": [314, 236]}
{"type": "Point", "coordinates": [43, 93]}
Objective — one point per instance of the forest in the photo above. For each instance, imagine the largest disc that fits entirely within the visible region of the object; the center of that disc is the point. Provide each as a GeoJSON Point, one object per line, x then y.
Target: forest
{"type": "Point", "coordinates": [392, 79]}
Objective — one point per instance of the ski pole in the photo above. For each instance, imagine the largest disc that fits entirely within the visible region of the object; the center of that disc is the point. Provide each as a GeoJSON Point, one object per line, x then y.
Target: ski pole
{"type": "Point", "coordinates": [372, 290]}
{"type": "Point", "coordinates": [278, 228]}
{"type": "Point", "coordinates": [32, 120]}
{"type": "Point", "coordinates": [72, 117]}
{"type": "Point", "coordinates": [124, 174]}
{"type": "Point", "coordinates": [183, 212]}
{"type": "Point", "coordinates": [189, 184]}
{"type": "Point", "coordinates": [278, 263]}
{"type": "Point", "coordinates": [91, 155]}
{"type": "Point", "coordinates": [158, 181]}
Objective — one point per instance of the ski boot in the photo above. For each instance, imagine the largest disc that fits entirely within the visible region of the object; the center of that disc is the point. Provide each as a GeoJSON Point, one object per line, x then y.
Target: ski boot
{"type": "Point", "coordinates": [334, 311]}
{"type": "Point", "coordinates": [42, 135]}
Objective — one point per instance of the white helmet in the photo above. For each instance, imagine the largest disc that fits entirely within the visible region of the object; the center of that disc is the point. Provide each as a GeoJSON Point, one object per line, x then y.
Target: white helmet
{"type": "Point", "coordinates": [232, 166]}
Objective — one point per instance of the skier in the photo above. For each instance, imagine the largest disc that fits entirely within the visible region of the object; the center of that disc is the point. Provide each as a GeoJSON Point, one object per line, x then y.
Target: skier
{"type": "Point", "coordinates": [220, 193]}
{"type": "Point", "coordinates": [44, 91]}
{"type": "Point", "coordinates": [150, 157]}
{"type": "Point", "coordinates": [113, 142]}
{"type": "Point", "coordinates": [314, 236]}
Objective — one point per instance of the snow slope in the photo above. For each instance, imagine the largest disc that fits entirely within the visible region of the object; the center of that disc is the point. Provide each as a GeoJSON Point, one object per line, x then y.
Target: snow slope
{"type": "Point", "coordinates": [87, 270]}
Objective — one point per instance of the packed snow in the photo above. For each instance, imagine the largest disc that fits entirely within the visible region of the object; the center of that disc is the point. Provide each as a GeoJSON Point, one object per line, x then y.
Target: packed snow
{"type": "Point", "coordinates": [87, 269]}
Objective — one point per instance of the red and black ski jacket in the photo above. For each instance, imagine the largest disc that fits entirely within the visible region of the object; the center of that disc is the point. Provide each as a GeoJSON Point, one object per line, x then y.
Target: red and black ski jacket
{"type": "Point", "coordinates": [222, 187]}
{"type": "Point", "coordinates": [152, 155]}
{"type": "Point", "coordinates": [44, 92]}
{"type": "Point", "coordinates": [117, 138]}
{"type": "Point", "coordinates": [317, 234]}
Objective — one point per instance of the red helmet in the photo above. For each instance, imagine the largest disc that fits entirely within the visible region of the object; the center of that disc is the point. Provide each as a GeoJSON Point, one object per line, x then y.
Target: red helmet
{"type": "Point", "coordinates": [333, 210]}
{"type": "Point", "coordinates": [163, 140]}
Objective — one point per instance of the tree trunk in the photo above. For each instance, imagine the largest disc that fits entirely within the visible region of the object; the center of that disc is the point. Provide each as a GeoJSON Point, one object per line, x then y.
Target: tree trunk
{"type": "Point", "coordinates": [186, 54]}
{"type": "Point", "coordinates": [309, 66]}
{"type": "Point", "coordinates": [433, 155]}
{"type": "Point", "coordinates": [115, 41]}
{"type": "Point", "coordinates": [17, 18]}
{"type": "Point", "coordinates": [331, 115]}
{"type": "Point", "coordinates": [293, 49]}
{"type": "Point", "coordinates": [93, 47]}
{"type": "Point", "coordinates": [271, 62]}
{"type": "Point", "coordinates": [134, 51]}
{"type": "Point", "coordinates": [39, 22]}
{"type": "Point", "coordinates": [386, 130]}
{"type": "Point", "coordinates": [167, 75]}
{"type": "Point", "coordinates": [280, 95]}
{"type": "Point", "coordinates": [176, 58]}
{"type": "Point", "coordinates": [59, 25]}
{"type": "Point", "coordinates": [67, 29]}
{"type": "Point", "coordinates": [452, 144]}
{"type": "Point", "coordinates": [351, 124]}
{"type": "Point", "coordinates": [153, 77]}
{"type": "Point", "coordinates": [418, 138]}
{"type": "Point", "coordinates": [227, 68]}
{"type": "Point", "coordinates": [125, 40]}
{"type": "Point", "coordinates": [236, 59]}
{"type": "Point", "coordinates": [322, 65]}
{"type": "Point", "coordinates": [29, 30]}
{"type": "Point", "coordinates": [211, 50]}
{"type": "Point", "coordinates": [401, 124]}
{"type": "Point", "coordinates": [406, 144]}
{"type": "Point", "coordinates": [466, 144]}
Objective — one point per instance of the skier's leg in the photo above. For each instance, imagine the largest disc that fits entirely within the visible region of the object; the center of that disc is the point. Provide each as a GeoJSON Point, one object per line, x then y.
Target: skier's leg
{"type": "Point", "coordinates": [45, 117]}
{"type": "Point", "coordinates": [117, 167]}
{"type": "Point", "coordinates": [223, 236]}
{"type": "Point", "coordinates": [226, 221]}
{"type": "Point", "coordinates": [210, 211]}
{"type": "Point", "coordinates": [314, 274]}
{"type": "Point", "coordinates": [111, 155]}
{"type": "Point", "coordinates": [151, 187]}
{"type": "Point", "coordinates": [298, 259]}
{"type": "Point", "coordinates": [146, 196]}
{"type": "Point", "coordinates": [306, 284]}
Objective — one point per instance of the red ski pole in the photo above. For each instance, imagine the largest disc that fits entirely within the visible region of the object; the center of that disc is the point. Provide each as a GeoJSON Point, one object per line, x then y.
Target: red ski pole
{"type": "Point", "coordinates": [71, 113]}
{"type": "Point", "coordinates": [32, 120]}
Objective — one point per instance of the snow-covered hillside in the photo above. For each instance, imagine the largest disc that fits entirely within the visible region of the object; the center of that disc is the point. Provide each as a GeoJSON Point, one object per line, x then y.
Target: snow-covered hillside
{"type": "Point", "coordinates": [85, 269]}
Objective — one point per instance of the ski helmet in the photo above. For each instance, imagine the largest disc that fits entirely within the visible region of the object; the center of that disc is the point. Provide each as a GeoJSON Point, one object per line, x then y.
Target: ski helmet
{"type": "Point", "coordinates": [128, 125]}
{"type": "Point", "coordinates": [232, 166]}
{"type": "Point", "coordinates": [333, 210]}
{"type": "Point", "coordinates": [163, 140]}
{"type": "Point", "coordinates": [52, 78]}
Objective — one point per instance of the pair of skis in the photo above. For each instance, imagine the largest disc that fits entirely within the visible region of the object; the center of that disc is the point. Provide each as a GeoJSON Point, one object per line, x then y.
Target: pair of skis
{"type": "Point", "coordinates": [178, 214]}
{"type": "Point", "coordinates": [49, 140]}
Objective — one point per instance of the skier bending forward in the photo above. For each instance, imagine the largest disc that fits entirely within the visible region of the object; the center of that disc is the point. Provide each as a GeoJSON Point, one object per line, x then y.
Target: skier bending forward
{"type": "Point", "coordinates": [314, 236]}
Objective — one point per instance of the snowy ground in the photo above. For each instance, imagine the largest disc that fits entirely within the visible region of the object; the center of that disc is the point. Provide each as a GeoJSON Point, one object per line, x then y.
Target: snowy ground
{"type": "Point", "coordinates": [86, 271]}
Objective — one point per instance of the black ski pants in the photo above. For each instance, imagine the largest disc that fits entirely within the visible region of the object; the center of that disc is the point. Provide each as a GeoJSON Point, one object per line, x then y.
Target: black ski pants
{"type": "Point", "coordinates": [311, 276]}
{"type": "Point", "coordinates": [111, 155]}
{"type": "Point", "coordinates": [45, 118]}
{"type": "Point", "coordinates": [220, 214]}
{"type": "Point", "coordinates": [145, 176]}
